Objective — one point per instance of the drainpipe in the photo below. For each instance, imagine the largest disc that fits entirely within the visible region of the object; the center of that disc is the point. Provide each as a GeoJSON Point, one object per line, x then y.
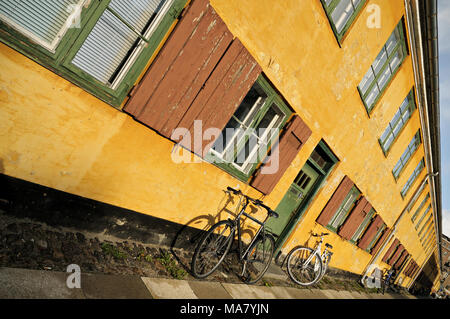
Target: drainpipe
{"type": "Point", "coordinates": [419, 63]}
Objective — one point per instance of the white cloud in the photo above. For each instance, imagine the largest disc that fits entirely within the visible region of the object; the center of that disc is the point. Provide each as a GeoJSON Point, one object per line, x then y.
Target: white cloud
{"type": "Point", "coordinates": [446, 222]}
{"type": "Point", "coordinates": [444, 26]}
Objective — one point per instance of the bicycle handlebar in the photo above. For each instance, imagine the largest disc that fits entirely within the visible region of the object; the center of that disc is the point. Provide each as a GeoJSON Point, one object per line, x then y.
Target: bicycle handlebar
{"type": "Point", "coordinates": [257, 202]}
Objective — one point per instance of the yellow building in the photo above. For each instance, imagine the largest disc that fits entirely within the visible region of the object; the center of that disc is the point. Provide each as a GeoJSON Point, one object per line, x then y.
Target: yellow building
{"type": "Point", "coordinates": [133, 103]}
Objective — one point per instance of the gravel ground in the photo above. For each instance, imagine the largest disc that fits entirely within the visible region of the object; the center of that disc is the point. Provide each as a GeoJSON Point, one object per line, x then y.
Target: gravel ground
{"type": "Point", "coordinates": [33, 245]}
{"type": "Point", "coordinates": [28, 244]}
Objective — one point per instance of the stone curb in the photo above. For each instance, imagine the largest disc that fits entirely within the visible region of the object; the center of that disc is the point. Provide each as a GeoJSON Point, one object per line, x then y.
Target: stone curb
{"type": "Point", "coordinates": [16, 283]}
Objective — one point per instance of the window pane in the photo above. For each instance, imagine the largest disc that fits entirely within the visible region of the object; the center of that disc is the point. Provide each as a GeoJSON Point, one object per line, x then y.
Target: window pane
{"type": "Point", "coordinates": [259, 137]}
{"type": "Point", "coordinates": [269, 120]}
{"type": "Point", "coordinates": [384, 78]}
{"type": "Point", "coordinates": [43, 20]}
{"type": "Point", "coordinates": [396, 60]}
{"type": "Point", "coordinates": [385, 134]}
{"type": "Point", "coordinates": [371, 97]}
{"type": "Point", "coordinates": [250, 145]}
{"type": "Point", "coordinates": [366, 81]}
{"type": "Point", "coordinates": [397, 128]}
{"type": "Point", "coordinates": [231, 130]}
{"type": "Point", "coordinates": [379, 61]}
{"type": "Point", "coordinates": [392, 42]}
{"type": "Point", "coordinates": [389, 142]}
{"type": "Point", "coordinates": [255, 96]}
{"type": "Point", "coordinates": [238, 124]}
{"type": "Point", "coordinates": [405, 104]}
{"type": "Point", "coordinates": [341, 14]}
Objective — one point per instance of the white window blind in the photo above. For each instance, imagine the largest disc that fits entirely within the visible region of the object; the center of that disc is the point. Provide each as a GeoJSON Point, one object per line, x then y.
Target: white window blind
{"type": "Point", "coordinates": [43, 21]}
{"type": "Point", "coordinates": [118, 37]}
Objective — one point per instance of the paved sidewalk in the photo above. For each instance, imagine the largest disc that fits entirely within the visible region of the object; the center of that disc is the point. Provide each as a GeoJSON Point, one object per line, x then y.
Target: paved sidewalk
{"type": "Point", "coordinates": [18, 283]}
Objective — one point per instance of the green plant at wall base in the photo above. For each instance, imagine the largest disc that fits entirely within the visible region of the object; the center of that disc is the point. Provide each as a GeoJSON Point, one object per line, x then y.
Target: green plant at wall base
{"type": "Point", "coordinates": [113, 251]}
{"type": "Point", "coordinates": [144, 256]}
{"type": "Point", "coordinates": [171, 266]}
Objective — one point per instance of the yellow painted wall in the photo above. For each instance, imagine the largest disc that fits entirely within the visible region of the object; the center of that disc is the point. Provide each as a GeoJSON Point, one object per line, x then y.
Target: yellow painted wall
{"type": "Point", "coordinates": [55, 134]}
{"type": "Point", "coordinates": [295, 45]}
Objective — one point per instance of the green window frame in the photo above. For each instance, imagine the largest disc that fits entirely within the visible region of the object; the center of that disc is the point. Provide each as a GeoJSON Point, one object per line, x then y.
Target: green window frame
{"type": "Point", "coordinates": [428, 245]}
{"type": "Point", "coordinates": [398, 123]}
{"type": "Point", "coordinates": [384, 68]}
{"type": "Point", "coordinates": [427, 233]}
{"type": "Point", "coordinates": [256, 123]}
{"type": "Point", "coordinates": [413, 146]}
{"type": "Point", "coordinates": [136, 46]}
{"type": "Point", "coordinates": [413, 177]}
{"type": "Point", "coordinates": [426, 223]}
{"type": "Point", "coordinates": [344, 209]}
{"type": "Point", "coordinates": [416, 196]}
{"type": "Point", "coordinates": [419, 209]}
{"type": "Point", "coordinates": [376, 238]}
{"type": "Point", "coordinates": [423, 216]}
{"type": "Point", "coordinates": [362, 228]}
{"type": "Point", "coordinates": [341, 14]}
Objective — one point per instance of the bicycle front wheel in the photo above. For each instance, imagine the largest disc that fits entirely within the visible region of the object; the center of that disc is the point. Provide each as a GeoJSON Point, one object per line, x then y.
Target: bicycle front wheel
{"type": "Point", "coordinates": [212, 249]}
{"type": "Point", "coordinates": [304, 266]}
{"type": "Point", "coordinates": [258, 259]}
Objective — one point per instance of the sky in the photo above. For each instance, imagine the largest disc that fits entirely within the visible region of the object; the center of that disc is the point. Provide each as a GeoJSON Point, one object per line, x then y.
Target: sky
{"type": "Point", "coordinates": [444, 88]}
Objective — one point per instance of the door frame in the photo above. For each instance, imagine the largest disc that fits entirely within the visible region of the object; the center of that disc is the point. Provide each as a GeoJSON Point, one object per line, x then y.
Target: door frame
{"type": "Point", "coordinates": [323, 176]}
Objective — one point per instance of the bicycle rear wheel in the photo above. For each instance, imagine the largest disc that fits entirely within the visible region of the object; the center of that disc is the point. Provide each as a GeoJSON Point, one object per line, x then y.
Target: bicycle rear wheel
{"type": "Point", "coordinates": [304, 266]}
{"type": "Point", "coordinates": [212, 249]}
{"type": "Point", "coordinates": [258, 259]}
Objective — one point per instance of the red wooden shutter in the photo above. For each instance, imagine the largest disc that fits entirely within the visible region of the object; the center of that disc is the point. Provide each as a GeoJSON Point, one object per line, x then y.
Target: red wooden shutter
{"type": "Point", "coordinates": [414, 270]}
{"type": "Point", "coordinates": [391, 250]}
{"type": "Point", "coordinates": [380, 241]}
{"type": "Point", "coordinates": [199, 74]}
{"type": "Point", "coordinates": [335, 201]}
{"type": "Point", "coordinates": [400, 260]}
{"type": "Point", "coordinates": [355, 218]}
{"type": "Point", "coordinates": [396, 255]}
{"type": "Point", "coordinates": [289, 144]}
{"type": "Point", "coordinates": [407, 268]}
{"type": "Point", "coordinates": [221, 95]}
{"type": "Point", "coordinates": [371, 231]}
{"type": "Point", "coordinates": [184, 63]}
{"type": "Point", "coordinates": [410, 268]}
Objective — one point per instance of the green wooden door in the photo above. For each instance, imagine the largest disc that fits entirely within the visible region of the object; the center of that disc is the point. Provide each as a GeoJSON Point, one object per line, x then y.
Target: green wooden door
{"type": "Point", "coordinates": [297, 193]}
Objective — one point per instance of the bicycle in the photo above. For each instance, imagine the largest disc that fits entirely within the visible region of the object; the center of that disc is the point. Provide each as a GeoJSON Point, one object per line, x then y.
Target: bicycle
{"type": "Point", "coordinates": [386, 283]}
{"type": "Point", "coordinates": [306, 266]}
{"type": "Point", "coordinates": [216, 243]}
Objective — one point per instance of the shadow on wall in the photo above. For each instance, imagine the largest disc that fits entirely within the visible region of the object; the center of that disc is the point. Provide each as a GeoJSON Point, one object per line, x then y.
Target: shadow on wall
{"type": "Point", "coordinates": [228, 208]}
{"type": "Point", "coordinates": [55, 208]}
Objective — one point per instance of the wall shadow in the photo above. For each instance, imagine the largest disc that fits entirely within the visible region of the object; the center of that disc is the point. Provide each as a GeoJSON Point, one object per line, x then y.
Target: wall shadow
{"type": "Point", "coordinates": [188, 236]}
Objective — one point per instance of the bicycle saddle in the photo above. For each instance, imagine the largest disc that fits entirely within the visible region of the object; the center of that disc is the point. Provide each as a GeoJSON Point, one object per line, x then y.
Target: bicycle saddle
{"type": "Point", "coordinates": [328, 246]}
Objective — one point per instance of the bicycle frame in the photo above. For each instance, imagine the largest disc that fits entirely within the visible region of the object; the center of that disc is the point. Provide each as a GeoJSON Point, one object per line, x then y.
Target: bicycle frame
{"type": "Point", "coordinates": [237, 224]}
{"type": "Point", "coordinates": [317, 251]}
